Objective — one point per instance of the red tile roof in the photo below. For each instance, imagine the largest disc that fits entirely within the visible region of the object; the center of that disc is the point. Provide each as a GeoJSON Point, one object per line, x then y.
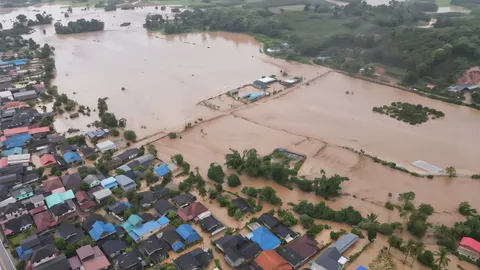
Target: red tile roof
{"type": "Point", "coordinates": [3, 162]}
{"type": "Point", "coordinates": [269, 259]}
{"type": "Point", "coordinates": [192, 211]}
{"type": "Point", "coordinates": [99, 261]}
{"type": "Point", "coordinates": [43, 221]}
{"type": "Point", "coordinates": [52, 183]}
{"type": "Point", "coordinates": [304, 246]}
{"type": "Point", "coordinates": [13, 131]}
{"type": "Point", "coordinates": [14, 105]}
{"type": "Point", "coordinates": [84, 252]}
{"type": "Point", "coordinates": [82, 196]}
{"type": "Point", "coordinates": [47, 160]}
{"type": "Point", "coordinates": [470, 243]}
{"type": "Point", "coordinates": [32, 131]}
{"type": "Point", "coordinates": [74, 262]}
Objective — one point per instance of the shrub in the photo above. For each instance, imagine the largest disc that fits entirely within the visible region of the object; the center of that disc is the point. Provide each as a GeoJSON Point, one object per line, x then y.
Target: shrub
{"type": "Point", "coordinates": [215, 172]}
{"type": "Point", "coordinates": [233, 180]}
{"type": "Point", "coordinates": [358, 232]}
{"type": "Point", "coordinates": [385, 229]}
{"type": "Point", "coordinates": [130, 135]}
{"type": "Point", "coordinates": [314, 230]}
{"type": "Point", "coordinates": [306, 220]}
{"type": "Point", "coordinates": [114, 132]}
{"type": "Point", "coordinates": [426, 258]}
{"type": "Point", "coordinates": [389, 205]}
{"type": "Point", "coordinates": [172, 135]}
{"type": "Point", "coordinates": [178, 158]}
{"type": "Point", "coordinates": [334, 235]}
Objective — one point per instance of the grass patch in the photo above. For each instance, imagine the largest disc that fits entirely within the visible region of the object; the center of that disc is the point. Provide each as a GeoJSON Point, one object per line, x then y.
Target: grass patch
{"type": "Point", "coordinates": [443, 3]}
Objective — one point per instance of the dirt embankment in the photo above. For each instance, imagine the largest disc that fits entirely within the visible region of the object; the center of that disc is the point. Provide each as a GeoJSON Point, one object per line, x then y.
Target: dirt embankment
{"type": "Point", "coordinates": [471, 76]}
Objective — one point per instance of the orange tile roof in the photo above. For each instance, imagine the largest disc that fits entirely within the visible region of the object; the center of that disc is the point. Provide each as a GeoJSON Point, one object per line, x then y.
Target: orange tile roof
{"type": "Point", "coordinates": [13, 131]}
{"type": "Point", "coordinates": [270, 260]}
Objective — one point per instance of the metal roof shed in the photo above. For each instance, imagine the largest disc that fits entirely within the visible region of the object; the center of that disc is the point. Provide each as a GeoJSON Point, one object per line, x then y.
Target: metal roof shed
{"type": "Point", "coordinates": [345, 242]}
{"type": "Point", "coordinates": [106, 146]}
{"type": "Point", "coordinates": [18, 159]}
{"type": "Point", "coordinates": [32, 94]}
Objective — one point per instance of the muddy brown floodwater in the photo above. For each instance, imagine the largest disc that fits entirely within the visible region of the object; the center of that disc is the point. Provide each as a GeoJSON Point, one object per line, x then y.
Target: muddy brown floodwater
{"type": "Point", "coordinates": [166, 76]}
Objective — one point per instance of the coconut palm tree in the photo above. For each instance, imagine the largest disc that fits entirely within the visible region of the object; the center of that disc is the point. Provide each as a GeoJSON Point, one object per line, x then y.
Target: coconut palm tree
{"type": "Point", "coordinates": [372, 218]}
{"type": "Point", "coordinates": [442, 260]}
{"type": "Point", "coordinates": [392, 241]}
{"type": "Point", "coordinates": [417, 250]}
{"type": "Point", "coordinates": [409, 246]}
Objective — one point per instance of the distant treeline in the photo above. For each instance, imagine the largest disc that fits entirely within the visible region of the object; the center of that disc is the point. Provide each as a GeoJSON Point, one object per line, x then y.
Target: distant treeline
{"type": "Point", "coordinates": [79, 26]}
{"type": "Point", "coordinates": [279, 3]}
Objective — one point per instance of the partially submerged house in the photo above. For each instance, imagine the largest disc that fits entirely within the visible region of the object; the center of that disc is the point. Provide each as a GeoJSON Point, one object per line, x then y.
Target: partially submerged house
{"type": "Point", "coordinates": [345, 242]}
{"type": "Point", "coordinates": [330, 259]}
{"type": "Point", "coordinates": [269, 259]}
{"type": "Point", "coordinates": [72, 158]}
{"type": "Point", "coordinates": [139, 230]}
{"type": "Point", "coordinates": [299, 251]}
{"type": "Point", "coordinates": [128, 155]}
{"type": "Point", "coordinates": [172, 238]}
{"type": "Point", "coordinates": [264, 238]}
{"type": "Point", "coordinates": [195, 259]}
{"type": "Point", "coordinates": [193, 211]}
{"type": "Point", "coordinates": [237, 249]}
{"type": "Point", "coordinates": [162, 207]}
{"type": "Point", "coordinates": [470, 248]}
{"type": "Point", "coordinates": [183, 200]}
{"type": "Point", "coordinates": [188, 234]}
{"type": "Point", "coordinates": [106, 146]}
{"type": "Point", "coordinates": [211, 225]}
{"type": "Point", "coordinates": [154, 248]}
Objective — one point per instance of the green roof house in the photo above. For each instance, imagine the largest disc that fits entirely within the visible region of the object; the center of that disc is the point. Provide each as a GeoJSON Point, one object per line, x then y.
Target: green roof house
{"type": "Point", "coordinates": [91, 180]}
{"type": "Point", "coordinates": [22, 193]}
{"type": "Point", "coordinates": [58, 198]}
{"type": "Point", "coordinates": [132, 222]}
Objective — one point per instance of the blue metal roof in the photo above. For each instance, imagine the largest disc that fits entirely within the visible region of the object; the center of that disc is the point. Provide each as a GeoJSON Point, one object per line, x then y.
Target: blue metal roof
{"type": "Point", "coordinates": [16, 141]}
{"type": "Point", "coordinates": [71, 157]}
{"type": "Point", "coordinates": [264, 238]}
{"type": "Point", "coordinates": [177, 245]}
{"type": "Point", "coordinates": [110, 182]}
{"type": "Point", "coordinates": [187, 233]}
{"type": "Point", "coordinates": [101, 228]}
{"type": "Point", "coordinates": [361, 268]}
{"type": "Point", "coordinates": [13, 151]}
{"type": "Point", "coordinates": [162, 170]}
{"type": "Point", "coordinates": [19, 61]}
{"type": "Point", "coordinates": [163, 221]}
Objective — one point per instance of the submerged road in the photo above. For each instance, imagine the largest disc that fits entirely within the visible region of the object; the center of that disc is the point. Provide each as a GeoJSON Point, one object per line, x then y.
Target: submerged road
{"type": "Point", "coordinates": [5, 260]}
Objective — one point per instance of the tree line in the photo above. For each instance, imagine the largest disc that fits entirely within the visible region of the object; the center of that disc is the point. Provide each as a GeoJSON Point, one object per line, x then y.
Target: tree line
{"type": "Point", "coordinates": [79, 26]}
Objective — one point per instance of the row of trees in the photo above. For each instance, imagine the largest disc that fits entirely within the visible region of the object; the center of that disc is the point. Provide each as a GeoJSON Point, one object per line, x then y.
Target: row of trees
{"type": "Point", "coordinates": [324, 186]}
{"type": "Point", "coordinates": [79, 26]}
{"type": "Point", "coordinates": [267, 194]}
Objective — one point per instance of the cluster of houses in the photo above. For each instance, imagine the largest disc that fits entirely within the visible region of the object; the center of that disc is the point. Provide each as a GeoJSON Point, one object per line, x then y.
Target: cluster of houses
{"type": "Point", "coordinates": [26, 72]}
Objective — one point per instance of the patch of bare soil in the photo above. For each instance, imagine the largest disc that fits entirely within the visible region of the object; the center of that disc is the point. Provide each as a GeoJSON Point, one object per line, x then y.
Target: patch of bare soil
{"type": "Point", "coordinates": [471, 76]}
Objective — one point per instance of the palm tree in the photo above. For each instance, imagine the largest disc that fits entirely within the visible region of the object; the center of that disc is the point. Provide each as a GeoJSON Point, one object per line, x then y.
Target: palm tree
{"type": "Point", "coordinates": [202, 192]}
{"type": "Point", "coordinates": [372, 218]}
{"type": "Point", "coordinates": [442, 260]}
{"type": "Point", "coordinates": [409, 246]}
{"type": "Point", "coordinates": [392, 241]}
{"type": "Point", "coordinates": [417, 250]}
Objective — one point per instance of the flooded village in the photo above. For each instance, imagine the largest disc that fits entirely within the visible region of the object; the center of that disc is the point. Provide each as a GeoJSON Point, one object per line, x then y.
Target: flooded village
{"type": "Point", "coordinates": [201, 151]}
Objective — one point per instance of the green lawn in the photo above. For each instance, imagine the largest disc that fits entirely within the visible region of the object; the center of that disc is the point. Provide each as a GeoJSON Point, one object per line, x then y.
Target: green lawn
{"type": "Point", "coordinates": [443, 3]}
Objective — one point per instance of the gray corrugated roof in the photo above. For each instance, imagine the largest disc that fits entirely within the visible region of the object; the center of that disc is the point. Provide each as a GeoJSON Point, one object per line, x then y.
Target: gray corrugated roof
{"type": "Point", "coordinates": [345, 242]}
